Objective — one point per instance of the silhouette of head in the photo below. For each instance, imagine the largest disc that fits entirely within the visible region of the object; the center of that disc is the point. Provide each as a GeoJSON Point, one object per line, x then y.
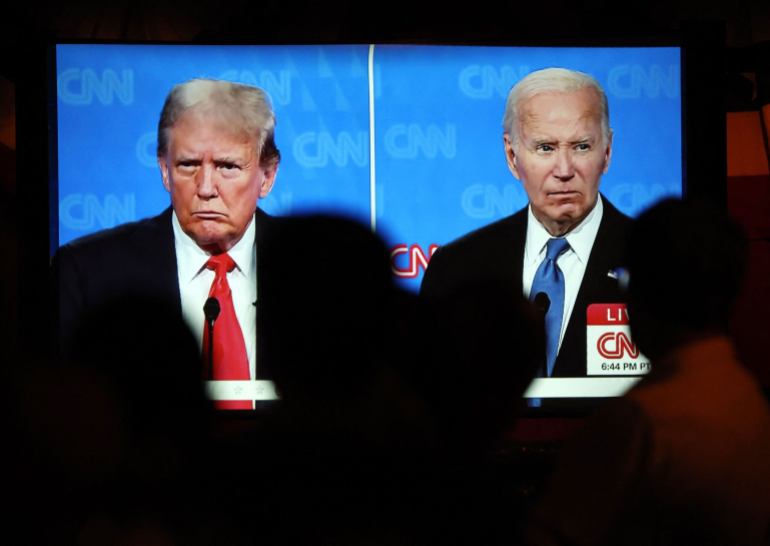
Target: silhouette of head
{"type": "Point", "coordinates": [326, 304]}
{"type": "Point", "coordinates": [686, 263]}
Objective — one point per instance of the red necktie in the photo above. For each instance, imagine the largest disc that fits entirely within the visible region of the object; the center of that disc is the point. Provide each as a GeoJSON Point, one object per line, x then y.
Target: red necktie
{"type": "Point", "coordinates": [229, 359]}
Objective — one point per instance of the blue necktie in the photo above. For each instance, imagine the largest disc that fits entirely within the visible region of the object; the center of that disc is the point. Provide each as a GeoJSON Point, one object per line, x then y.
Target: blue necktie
{"type": "Point", "coordinates": [550, 280]}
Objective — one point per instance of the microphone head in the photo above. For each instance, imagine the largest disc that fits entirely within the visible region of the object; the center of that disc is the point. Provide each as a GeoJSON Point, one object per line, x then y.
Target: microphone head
{"type": "Point", "coordinates": [542, 302]}
{"type": "Point", "coordinates": [211, 309]}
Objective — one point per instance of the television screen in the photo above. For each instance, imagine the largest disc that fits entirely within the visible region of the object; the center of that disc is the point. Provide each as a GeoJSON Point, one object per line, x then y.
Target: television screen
{"type": "Point", "coordinates": [406, 138]}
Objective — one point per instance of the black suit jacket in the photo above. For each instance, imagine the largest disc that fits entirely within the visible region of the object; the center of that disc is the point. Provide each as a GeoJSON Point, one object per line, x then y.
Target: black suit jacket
{"type": "Point", "coordinates": [137, 258]}
{"type": "Point", "coordinates": [496, 253]}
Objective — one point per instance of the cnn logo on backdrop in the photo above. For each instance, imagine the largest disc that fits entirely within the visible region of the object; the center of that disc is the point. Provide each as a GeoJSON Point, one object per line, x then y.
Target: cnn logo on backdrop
{"type": "Point", "coordinates": [408, 261]}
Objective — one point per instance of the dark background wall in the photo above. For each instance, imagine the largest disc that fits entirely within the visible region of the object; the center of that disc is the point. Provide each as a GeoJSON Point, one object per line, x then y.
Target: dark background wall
{"type": "Point", "coordinates": [746, 21]}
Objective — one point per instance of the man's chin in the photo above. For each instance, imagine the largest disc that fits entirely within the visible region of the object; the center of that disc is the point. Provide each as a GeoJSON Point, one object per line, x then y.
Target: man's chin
{"type": "Point", "coordinates": [566, 215]}
{"type": "Point", "coordinates": [561, 220]}
{"type": "Point", "coordinates": [213, 242]}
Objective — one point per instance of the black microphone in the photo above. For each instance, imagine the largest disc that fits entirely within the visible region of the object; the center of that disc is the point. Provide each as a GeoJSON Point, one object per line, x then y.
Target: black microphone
{"type": "Point", "coordinates": [542, 302]}
{"type": "Point", "coordinates": [211, 311]}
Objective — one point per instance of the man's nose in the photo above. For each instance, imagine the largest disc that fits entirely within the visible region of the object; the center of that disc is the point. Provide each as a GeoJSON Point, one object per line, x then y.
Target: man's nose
{"type": "Point", "coordinates": [206, 182]}
{"type": "Point", "coordinates": [564, 169]}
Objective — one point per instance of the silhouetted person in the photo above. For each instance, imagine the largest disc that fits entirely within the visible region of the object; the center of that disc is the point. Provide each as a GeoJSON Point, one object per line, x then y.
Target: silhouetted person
{"type": "Point", "coordinates": [388, 416]}
{"type": "Point", "coordinates": [684, 456]}
{"type": "Point", "coordinates": [482, 345]}
{"type": "Point", "coordinates": [148, 357]}
{"type": "Point", "coordinates": [117, 438]}
{"type": "Point", "coordinates": [336, 451]}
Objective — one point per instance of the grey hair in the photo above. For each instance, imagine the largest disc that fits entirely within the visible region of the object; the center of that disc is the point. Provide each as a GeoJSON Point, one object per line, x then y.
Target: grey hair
{"type": "Point", "coordinates": [245, 108]}
{"type": "Point", "coordinates": [552, 80]}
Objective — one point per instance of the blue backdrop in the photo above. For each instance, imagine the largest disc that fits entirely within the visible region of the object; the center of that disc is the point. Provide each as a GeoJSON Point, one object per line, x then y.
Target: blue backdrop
{"type": "Point", "coordinates": [440, 169]}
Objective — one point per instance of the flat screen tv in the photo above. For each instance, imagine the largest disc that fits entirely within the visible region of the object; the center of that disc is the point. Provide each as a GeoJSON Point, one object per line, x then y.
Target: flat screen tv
{"type": "Point", "coordinates": [406, 138]}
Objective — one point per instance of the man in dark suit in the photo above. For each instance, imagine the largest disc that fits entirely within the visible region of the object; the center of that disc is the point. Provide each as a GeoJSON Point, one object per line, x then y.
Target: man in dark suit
{"type": "Point", "coordinates": [217, 158]}
{"type": "Point", "coordinates": [564, 249]}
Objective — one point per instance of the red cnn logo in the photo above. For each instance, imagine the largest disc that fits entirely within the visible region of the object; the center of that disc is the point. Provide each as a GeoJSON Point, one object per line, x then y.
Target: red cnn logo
{"type": "Point", "coordinates": [613, 345]}
{"type": "Point", "coordinates": [416, 260]}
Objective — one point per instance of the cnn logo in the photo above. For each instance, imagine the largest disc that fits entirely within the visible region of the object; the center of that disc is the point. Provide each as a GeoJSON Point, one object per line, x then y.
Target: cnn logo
{"type": "Point", "coordinates": [615, 345]}
{"type": "Point", "coordinates": [407, 261]}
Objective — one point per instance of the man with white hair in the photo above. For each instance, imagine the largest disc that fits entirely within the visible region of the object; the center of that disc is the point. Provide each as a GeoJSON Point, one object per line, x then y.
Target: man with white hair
{"type": "Point", "coordinates": [563, 248]}
{"type": "Point", "coordinates": [217, 158]}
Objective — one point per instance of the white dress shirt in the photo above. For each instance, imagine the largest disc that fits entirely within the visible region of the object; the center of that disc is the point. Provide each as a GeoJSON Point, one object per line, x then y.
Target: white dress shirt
{"type": "Point", "coordinates": [195, 282]}
{"type": "Point", "coordinates": [572, 261]}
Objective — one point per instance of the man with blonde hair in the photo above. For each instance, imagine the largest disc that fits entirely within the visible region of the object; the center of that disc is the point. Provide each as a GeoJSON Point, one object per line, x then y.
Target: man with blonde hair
{"type": "Point", "coordinates": [217, 158]}
{"type": "Point", "coordinates": [563, 248]}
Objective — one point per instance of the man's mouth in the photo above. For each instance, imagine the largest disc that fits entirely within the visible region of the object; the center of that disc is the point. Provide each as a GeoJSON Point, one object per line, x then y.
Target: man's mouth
{"type": "Point", "coordinates": [208, 215]}
{"type": "Point", "coordinates": [563, 193]}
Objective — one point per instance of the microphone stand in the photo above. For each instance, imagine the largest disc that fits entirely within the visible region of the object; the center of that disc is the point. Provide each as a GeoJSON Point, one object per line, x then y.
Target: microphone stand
{"type": "Point", "coordinates": [542, 304]}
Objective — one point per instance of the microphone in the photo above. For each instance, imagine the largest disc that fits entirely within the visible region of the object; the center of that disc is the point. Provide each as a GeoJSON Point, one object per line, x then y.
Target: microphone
{"type": "Point", "coordinates": [542, 302]}
{"type": "Point", "coordinates": [211, 311]}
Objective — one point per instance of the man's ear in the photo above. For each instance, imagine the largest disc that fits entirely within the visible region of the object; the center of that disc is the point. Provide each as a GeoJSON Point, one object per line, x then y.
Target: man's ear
{"type": "Point", "coordinates": [510, 155]}
{"type": "Point", "coordinates": [164, 173]}
{"type": "Point", "coordinates": [608, 152]}
{"type": "Point", "coordinates": [268, 180]}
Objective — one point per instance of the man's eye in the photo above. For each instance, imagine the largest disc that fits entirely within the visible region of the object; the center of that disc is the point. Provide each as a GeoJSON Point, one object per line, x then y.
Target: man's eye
{"type": "Point", "coordinates": [228, 167]}
{"type": "Point", "coordinates": [544, 148]}
{"type": "Point", "coordinates": [186, 166]}
{"type": "Point", "coordinates": [582, 147]}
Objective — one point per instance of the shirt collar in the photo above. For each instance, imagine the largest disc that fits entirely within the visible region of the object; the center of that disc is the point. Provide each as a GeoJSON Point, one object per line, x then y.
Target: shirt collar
{"type": "Point", "coordinates": [580, 238]}
{"type": "Point", "coordinates": [192, 258]}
